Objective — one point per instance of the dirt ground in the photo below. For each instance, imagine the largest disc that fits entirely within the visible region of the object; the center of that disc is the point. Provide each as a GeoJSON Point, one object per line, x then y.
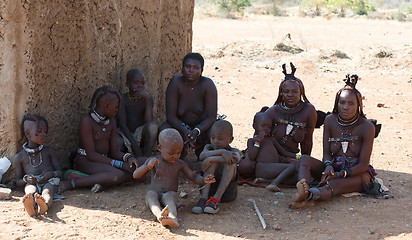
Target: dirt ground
{"type": "Point", "coordinates": [240, 59]}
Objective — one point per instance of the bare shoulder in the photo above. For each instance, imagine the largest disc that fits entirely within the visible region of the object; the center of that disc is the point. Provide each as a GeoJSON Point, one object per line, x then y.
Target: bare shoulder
{"type": "Point", "coordinates": [86, 119]}
{"type": "Point", "coordinates": [366, 125]}
{"type": "Point", "coordinates": [309, 107]}
{"type": "Point", "coordinates": [19, 156]}
{"type": "Point", "coordinates": [208, 83]}
{"type": "Point", "coordinates": [330, 119]}
{"type": "Point", "coordinates": [181, 164]}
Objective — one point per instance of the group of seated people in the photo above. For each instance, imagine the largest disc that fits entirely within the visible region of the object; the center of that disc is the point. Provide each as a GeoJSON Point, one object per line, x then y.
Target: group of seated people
{"type": "Point", "coordinates": [278, 153]}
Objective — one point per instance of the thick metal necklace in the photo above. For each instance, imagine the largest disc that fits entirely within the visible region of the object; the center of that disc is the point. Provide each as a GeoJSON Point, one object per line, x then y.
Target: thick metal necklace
{"type": "Point", "coordinates": [349, 122]}
{"type": "Point", "coordinates": [33, 151]}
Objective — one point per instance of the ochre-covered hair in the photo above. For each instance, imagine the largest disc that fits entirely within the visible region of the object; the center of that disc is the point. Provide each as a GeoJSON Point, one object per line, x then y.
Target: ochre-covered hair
{"type": "Point", "coordinates": [291, 77]}
{"type": "Point", "coordinates": [350, 85]}
{"type": "Point", "coordinates": [103, 92]}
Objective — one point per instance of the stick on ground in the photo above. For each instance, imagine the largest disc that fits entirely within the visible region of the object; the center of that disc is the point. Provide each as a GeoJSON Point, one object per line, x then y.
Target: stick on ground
{"type": "Point", "coordinates": [262, 220]}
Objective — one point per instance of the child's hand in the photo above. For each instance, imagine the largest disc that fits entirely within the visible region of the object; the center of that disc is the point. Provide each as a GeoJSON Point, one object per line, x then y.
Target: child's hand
{"type": "Point", "coordinates": [151, 163]}
{"type": "Point", "coordinates": [236, 157]}
{"type": "Point", "coordinates": [132, 161]}
{"type": "Point", "coordinates": [209, 179]}
{"type": "Point", "coordinates": [30, 179]}
{"type": "Point", "coordinates": [261, 135]}
{"type": "Point", "coordinates": [227, 155]}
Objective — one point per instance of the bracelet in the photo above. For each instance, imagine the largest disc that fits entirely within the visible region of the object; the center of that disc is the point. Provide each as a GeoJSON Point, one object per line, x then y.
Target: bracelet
{"type": "Point", "coordinates": [126, 156]}
{"type": "Point", "coordinates": [344, 173]}
{"type": "Point", "coordinates": [327, 162]}
{"type": "Point", "coordinates": [25, 178]}
{"type": "Point", "coordinates": [145, 167]}
{"type": "Point", "coordinates": [337, 175]}
{"type": "Point", "coordinates": [117, 164]}
{"type": "Point", "coordinates": [196, 128]}
{"type": "Point", "coordinates": [298, 156]}
{"type": "Point", "coordinates": [257, 144]}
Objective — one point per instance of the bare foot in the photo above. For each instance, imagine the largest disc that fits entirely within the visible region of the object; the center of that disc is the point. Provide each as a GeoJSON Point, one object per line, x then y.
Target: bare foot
{"type": "Point", "coordinates": [96, 188]}
{"type": "Point", "coordinates": [262, 180]}
{"type": "Point", "coordinates": [302, 195]}
{"type": "Point", "coordinates": [165, 220]}
{"type": "Point", "coordinates": [273, 188]}
{"type": "Point", "coordinates": [41, 202]}
{"type": "Point", "coordinates": [303, 190]}
{"type": "Point", "coordinates": [28, 204]}
{"type": "Point", "coordinates": [64, 185]}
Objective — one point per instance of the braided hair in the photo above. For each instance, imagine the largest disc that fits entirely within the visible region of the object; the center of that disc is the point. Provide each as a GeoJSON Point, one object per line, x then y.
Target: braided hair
{"type": "Point", "coordinates": [291, 77]}
{"type": "Point", "coordinates": [33, 118]}
{"type": "Point", "coordinates": [194, 56]}
{"type": "Point", "coordinates": [103, 92]}
{"type": "Point", "coordinates": [350, 85]}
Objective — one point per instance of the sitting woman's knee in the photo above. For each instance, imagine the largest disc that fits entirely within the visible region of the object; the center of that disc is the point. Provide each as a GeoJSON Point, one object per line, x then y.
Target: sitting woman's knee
{"type": "Point", "coordinates": [152, 128]}
{"type": "Point", "coordinates": [118, 176]}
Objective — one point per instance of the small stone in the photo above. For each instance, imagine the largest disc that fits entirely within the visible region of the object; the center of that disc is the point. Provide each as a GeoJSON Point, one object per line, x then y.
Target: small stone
{"type": "Point", "coordinates": [252, 97]}
{"type": "Point", "coordinates": [276, 227]}
{"type": "Point", "coordinates": [390, 117]}
{"type": "Point", "coordinates": [216, 68]}
{"type": "Point", "coordinates": [279, 194]}
{"type": "Point", "coordinates": [275, 203]}
{"type": "Point", "coordinates": [236, 92]}
{"type": "Point", "coordinates": [380, 105]}
{"type": "Point", "coordinates": [5, 193]}
{"type": "Point", "coordinates": [183, 194]}
{"type": "Point", "coordinates": [371, 231]}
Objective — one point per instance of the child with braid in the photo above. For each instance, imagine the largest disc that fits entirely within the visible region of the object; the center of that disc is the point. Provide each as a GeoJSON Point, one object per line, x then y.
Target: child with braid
{"type": "Point", "coordinates": [266, 159]}
{"type": "Point", "coordinates": [165, 168]}
{"type": "Point", "coordinates": [98, 153]}
{"type": "Point", "coordinates": [36, 166]}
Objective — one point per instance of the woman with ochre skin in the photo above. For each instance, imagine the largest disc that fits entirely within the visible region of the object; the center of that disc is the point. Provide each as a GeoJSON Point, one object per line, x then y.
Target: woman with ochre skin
{"type": "Point", "coordinates": [347, 147]}
{"type": "Point", "coordinates": [293, 121]}
{"type": "Point", "coordinates": [191, 103]}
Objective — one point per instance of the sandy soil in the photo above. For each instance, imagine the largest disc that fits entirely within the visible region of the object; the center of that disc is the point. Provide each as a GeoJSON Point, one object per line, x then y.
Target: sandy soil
{"type": "Point", "coordinates": [240, 58]}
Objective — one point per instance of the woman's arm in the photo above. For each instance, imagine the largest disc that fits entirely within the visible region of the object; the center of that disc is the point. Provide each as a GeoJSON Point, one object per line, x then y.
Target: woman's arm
{"type": "Point", "coordinates": [368, 135]}
{"type": "Point", "coordinates": [306, 145]}
{"type": "Point", "coordinates": [210, 105]}
{"type": "Point", "coordinates": [281, 150]}
{"type": "Point", "coordinates": [18, 170]}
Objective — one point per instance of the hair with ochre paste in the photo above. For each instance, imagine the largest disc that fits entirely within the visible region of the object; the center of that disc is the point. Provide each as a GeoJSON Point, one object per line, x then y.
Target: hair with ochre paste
{"type": "Point", "coordinates": [104, 92]}
{"type": "Point", "coordinates": [133, 73]}
{"type": "Point", "coordinates": [291, 77]}
{"type": "Point", "coordinates": [33, 118]}
{"type": "Point", "coordinates": [223, 125]}
{"type": "Point", "coordinates": [194, 56]}
{"type": "Point", "coordinates": [350, 85]}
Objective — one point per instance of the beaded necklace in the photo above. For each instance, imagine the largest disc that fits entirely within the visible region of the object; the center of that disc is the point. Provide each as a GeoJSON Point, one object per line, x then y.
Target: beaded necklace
{"type": "Point", "coordinates": [132, 98]}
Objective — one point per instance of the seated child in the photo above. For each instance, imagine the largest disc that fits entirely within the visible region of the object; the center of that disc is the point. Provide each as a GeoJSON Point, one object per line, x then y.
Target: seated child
{"type": "Point", "coordinates": [264, 155]}
{"type": "Point", "coordinates": [136, 126]}
{"type": "Point", "coordinates": [219, 159]}
{"type": "Point", "coordinates": [36, 166]}
{"type": "Point", "coordinates": [98, 154]}
{"type": "Point", "coordinates": [165, 169]}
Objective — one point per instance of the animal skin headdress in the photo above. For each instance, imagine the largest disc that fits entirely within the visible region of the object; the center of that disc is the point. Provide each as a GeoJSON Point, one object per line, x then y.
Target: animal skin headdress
{"type": "Point", "coordinates": [350, 85]}
{"type": "Point", "coordinates": [351, 80]}
{"type": "Point", "coordinates": [291, 77]}
{"type": "Point", "coordinates": [292, 74]}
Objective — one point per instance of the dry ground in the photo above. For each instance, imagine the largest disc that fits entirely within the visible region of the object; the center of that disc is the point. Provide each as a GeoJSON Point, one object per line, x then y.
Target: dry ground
{"type": "Point", "coordinates": [240, 58]}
